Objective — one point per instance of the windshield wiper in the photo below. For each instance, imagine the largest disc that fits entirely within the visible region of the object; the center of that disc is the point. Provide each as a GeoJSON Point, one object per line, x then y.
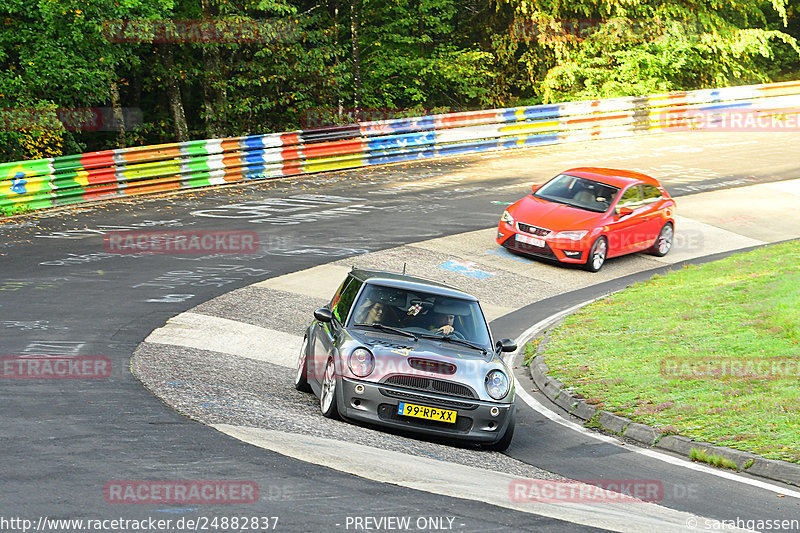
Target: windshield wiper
{"type": "Point", "coordinates": [453, 339]}
{"type": "Point", "coordinates": [389, 328]}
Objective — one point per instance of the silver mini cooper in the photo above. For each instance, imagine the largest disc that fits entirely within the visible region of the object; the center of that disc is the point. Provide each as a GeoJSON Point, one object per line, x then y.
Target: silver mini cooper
{"type": "Point", "coordinates": [410, 354]}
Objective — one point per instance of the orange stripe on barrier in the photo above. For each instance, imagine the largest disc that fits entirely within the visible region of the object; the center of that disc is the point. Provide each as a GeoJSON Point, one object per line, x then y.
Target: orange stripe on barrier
{"type": "Point", "coordinates": [349, 146]}
{"type": "Point", "coordinates": [230, 145]}
{"type": "Point", "coordinates": [169, 183]}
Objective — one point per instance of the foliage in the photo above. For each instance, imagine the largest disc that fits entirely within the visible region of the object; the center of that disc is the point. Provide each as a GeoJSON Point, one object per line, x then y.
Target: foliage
{"type": "Point", "coordinates": [297, 66]}
{"type": "Point", "coordinates": [600, 49]}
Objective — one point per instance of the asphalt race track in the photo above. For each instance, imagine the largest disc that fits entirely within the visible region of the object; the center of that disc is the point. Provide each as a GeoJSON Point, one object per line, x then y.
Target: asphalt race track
{"type": "Point", "coordinates": [63, 293]}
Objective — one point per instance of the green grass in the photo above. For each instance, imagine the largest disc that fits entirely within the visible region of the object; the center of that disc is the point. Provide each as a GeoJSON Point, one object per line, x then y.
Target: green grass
{"type": "Point", "coordinates": [712, 459]}
{"type": "Point", "coordinates": [745, 308]}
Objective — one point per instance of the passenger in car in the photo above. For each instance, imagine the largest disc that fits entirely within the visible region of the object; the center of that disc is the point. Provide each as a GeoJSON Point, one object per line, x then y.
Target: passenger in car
{"type": "Point", "coordinates": [370, 313]}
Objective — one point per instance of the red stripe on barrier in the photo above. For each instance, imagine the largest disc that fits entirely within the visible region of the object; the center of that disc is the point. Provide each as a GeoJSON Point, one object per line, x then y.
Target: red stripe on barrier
{"type": "Point", "coordinates": [98, 159]}
{"type": "Point", "coordinates": [289, 139]}
{"type": "Point", "coordinates": [452, 121]}
{"type": "Point", "coordinates": [355, 146]}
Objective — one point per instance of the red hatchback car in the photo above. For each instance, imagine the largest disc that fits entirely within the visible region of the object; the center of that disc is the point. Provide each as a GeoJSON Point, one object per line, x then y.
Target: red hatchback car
{"type": "Point", "coordinates": [586, 215]}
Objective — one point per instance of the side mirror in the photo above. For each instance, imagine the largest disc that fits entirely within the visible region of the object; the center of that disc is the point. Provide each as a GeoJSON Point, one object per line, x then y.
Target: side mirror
{"type": "Point", "coordinates": [506, 345]}
{"type": "Point", "coordinates": [535, 187]}
{"type": "Point", "coordinates": [624, 211]}
{"type": "Point", "coordinates": [323, 315]}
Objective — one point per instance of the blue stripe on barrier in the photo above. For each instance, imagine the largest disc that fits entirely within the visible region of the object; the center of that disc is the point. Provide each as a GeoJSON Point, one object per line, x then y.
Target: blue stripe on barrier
{"type": "Point", "coordinates": [529, 140]}
{"type": "Point", "coordinates": [467, 147]}
{"type": "Point", "coordinates": [253, 156]}
{"type": "Point", "coordinates": [726, 106]}
{"type": "Point", "coordinates": [400, 125]}
{"type": "Point", "coordinates": [401, 141]}
{"type": "Point", "coordinates": [533, 112]}
{"type": "Point", "coordinates": [400, 156]}
{"type": "Point", "coordinates": [252, 142]}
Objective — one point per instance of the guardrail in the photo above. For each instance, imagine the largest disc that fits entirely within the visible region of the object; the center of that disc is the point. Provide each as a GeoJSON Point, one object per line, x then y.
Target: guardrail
{"type": "Point", "coordinates": [53, 182]}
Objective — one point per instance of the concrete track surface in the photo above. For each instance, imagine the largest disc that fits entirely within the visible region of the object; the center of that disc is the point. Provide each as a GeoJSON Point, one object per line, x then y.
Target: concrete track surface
{"type": "Point", "coordinates": [223, 331]}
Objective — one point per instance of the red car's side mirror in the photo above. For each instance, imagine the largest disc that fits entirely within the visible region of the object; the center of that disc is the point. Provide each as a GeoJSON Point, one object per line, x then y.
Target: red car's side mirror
{"type": "Point", "coordinates": [535, 187]}
{"type": "Point", "coordinates": [624, 211]}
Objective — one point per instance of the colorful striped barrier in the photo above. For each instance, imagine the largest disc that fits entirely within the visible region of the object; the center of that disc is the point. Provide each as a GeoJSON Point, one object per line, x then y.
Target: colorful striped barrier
{"type": "Point", "coordinates": [53, 182]}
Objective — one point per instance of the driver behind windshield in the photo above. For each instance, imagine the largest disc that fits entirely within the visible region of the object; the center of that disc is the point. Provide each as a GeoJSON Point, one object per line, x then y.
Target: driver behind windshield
{"type": "Point", "coordinates": [370, 313]}
{"type": "Point", "coordinates": [443, 323]}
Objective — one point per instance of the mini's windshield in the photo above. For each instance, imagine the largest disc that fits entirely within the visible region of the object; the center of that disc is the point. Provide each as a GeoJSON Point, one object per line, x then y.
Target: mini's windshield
{"type": "Point", "coordinates": [578, 192]}
{"type": "Point", "coordinates": [421, 313]}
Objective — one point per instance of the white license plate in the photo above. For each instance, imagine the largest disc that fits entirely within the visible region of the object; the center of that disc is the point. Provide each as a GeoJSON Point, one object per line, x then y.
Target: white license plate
{"type": "Point", "coordinates": [530, 240]}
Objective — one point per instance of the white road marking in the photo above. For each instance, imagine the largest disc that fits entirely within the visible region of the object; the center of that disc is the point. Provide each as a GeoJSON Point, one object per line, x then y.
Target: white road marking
{"type": "Point", "coordinates": [465, 482]}
{"type": "Point", "coordinates": [791, 186]}
{"type": "Point", "coordinates": [205, 332]}
{"type": "Point", "coordinates": [537, 406]}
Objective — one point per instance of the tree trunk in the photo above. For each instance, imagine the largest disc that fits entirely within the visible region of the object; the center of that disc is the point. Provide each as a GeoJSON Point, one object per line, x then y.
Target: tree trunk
{"type": "Point", "coordinates": [214, 94]}
{"type": "Point", "coordinates": [340, 106]}
{"type": "Point", "coordinates": [116, 112]}
{"type": "Point", "coordinates": [174, 96]}
{"type": "Point", "coordinates": [355, 23]}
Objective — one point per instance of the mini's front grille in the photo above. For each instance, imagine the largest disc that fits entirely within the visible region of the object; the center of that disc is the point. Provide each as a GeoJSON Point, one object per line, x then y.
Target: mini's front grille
{"type": "Point", "coordinates": [389, 412]}
{"type": "Point", "coordinates": [533, 230]}
{"type": "Point", "coordinates": [439, 386]}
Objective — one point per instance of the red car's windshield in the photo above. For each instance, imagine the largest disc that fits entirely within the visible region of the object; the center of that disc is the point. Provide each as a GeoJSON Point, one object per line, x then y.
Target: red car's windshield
{"type": "Point", "coordinates": [578, 192]}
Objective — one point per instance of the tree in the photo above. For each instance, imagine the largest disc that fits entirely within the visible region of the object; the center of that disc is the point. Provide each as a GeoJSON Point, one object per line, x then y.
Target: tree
{"type": "Point", "coordinates": [594, 49]}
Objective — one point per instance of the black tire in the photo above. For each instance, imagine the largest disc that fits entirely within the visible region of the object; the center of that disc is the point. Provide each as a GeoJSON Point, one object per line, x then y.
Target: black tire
{"type": "Point", "coordinates": [505, 441]}
{"type": "Point", "coordinates": [301, 376]}
{"type": "Point", "coordinates": [327, 393]}
{"type": "Point", "coordinates": [664, 241]}
{"type": "Point", "coordinates": [597, 255]}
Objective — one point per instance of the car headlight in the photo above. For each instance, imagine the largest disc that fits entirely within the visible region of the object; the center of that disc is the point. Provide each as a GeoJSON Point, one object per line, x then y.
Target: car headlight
{"type": "Point", "coordinates": [361, 362]}
{"type": "Point", "coordinates": [497, 384]}
{"type": "Point", "coordinates": [507, 218]}
{"type": "Point", "coordinates": [571, 235]}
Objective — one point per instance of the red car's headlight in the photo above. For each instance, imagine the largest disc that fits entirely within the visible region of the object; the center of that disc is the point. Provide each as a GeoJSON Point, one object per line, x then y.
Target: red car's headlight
{"type": "Point", "coordinates": [507, 218]}
{"type": "Point", "coordinates": [571, 235]}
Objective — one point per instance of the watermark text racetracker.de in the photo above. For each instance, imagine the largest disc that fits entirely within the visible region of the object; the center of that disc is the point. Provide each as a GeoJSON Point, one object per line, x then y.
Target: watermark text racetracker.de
{"type": "Point", "coordinates": [54, 367]}
{"type": "Point", "coordinates": [589, 491]}
{"type": "Point", "coordinates": [731, 368]}
{"type": "Point", "coordinates": [194, 523]}
{"type": "Point", "coordinates": [180, 492]}
{"type": "Point", "coordinates": [181, 242]}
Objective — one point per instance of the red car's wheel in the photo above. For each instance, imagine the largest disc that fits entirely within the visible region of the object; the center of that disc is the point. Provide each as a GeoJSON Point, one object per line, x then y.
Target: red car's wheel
{"type": "Point", "coordinates": [597, 255]}
{"type": "Point", "coordinates": [663, 243]}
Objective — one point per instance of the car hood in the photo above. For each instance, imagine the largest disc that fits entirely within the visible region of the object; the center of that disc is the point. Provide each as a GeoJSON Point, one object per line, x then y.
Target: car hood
{"type": "Point", "coordinates": [428, 358]}
{"type": "Point", "coordinates": [388, 345]}
{"type": "Point", "coordinates": [552, 215]}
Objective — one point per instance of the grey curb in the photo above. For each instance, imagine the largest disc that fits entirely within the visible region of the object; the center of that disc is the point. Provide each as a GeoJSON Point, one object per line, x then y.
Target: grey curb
{"type": "Point", "coordinates": [555, 391]}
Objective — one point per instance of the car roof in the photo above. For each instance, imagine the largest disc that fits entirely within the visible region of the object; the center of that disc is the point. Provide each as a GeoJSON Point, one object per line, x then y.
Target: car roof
{"type": "Point", "coordinates": [612, 176]}
{"type": "Point", "coordinates": [402, 281]}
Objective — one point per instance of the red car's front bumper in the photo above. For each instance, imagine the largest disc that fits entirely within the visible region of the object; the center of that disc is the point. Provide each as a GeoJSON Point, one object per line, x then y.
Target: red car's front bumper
{"type": "Point", "coordinates": [562, 250]}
